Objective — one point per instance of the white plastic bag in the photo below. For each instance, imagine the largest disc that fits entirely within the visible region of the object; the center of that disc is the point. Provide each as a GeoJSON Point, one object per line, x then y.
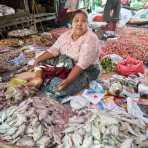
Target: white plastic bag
{"type": "Point", "coordinates": [95, 93]}
{"type": "Point", "coordinates": [114, 57]}
{"type": "Point", "coordinates": [78, 102]}
{"type": "Point", "coordinates": [125, 16]}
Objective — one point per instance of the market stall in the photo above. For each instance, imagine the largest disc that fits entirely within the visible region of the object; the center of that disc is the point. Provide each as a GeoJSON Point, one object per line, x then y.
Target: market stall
{"type": "Point", "coordinates": [112, 111]}
{"type": "Point", "coordinates": [30, 117]}
{"type": "Point", "coordinates": [21, 14]}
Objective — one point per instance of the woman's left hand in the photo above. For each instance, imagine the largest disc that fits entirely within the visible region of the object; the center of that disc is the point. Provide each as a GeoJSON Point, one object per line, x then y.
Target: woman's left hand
{"type": "Point", "coordinates": [71, 77]}
{"type": "Point", "coordinates": [63, 85]}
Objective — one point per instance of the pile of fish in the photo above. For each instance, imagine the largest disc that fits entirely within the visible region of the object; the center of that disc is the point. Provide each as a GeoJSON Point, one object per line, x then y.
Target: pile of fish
{"type": "Point", "coordinates": [3, 101]}
{"type": "Point", "coordinates": [113, 129]}
{"type": "Point", "coordinates": [5, 57]}
{"type": "Point", "coordinates": [45, 39]}
{"type": "Point", "coordinates": [14, 94]}
{"type": "Point", "coordinates": [21, 32]}
{"type": "Point", "coordinates": [34, 122]}
{"type": "Point", "coordinates": [19, 93]}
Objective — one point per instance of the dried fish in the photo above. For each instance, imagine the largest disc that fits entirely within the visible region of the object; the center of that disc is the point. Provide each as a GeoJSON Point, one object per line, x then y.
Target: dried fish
{"type": "Point", "coordinates": [67, 143]}
{"type": "Point", "coordinates": [8, 138]}
{"type": "Point", "coordinates": [43, 142]}
{"type": "Point", "coordinates": [11, 122]}
{"type": "Point", "coordinates": [144, 144]}
{"type": "Point", "coordinates": [4, 127]}
{"type": "Point", "coordinates": [10, 131]}
{"type": "Point", "coordinates": [77, 139]}
{"type": "Point", "coordinates": [21, 119]}
{"type": "Point", "coordinates": [11, 110]}
{"type": "Point", "coordinates": [38, 132]}
{"type": "Point", "coordinates": [106, 130]}
{"type": "Point", "coordinates": [127, 143]}
{"type": "Point", "coordinates": [87, 142]}
{"type": "Point", "coordinates": [20, 131]}
{"type": "Point", "coordinates": [96, 134]}
{"type": "Point", "coordinates": [26, 140]}
{"type": "Point", "coordinates": [29, 130]}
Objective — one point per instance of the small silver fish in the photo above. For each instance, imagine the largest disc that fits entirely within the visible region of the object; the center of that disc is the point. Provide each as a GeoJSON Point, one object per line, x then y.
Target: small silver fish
{"type": "Point", "coordinates": [127, 143]}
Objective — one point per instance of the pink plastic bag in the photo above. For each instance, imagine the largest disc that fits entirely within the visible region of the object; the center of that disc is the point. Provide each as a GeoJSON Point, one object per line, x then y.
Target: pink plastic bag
{"type": "Point", "coordinates": [130, 66]}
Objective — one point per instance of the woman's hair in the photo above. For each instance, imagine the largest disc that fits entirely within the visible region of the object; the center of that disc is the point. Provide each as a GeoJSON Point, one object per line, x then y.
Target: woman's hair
{"type": "Point", "coordinates": [79, 11]}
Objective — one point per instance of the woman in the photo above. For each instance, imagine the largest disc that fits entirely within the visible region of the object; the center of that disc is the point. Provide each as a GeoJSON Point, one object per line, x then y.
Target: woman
{"type": "Point", "coordinates": [78, 46]}
{"type": "Point", "coordinates": [111, 13]}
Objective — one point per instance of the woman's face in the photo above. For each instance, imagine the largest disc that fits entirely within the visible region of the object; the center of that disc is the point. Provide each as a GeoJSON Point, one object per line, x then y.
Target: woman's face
{"type": "Point", "coordinates": [79, 24]}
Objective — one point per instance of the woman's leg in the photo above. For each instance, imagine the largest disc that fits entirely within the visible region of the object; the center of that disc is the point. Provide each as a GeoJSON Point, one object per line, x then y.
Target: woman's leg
{"type": "Point", "coordinates": [37, 80]}
{"type": "Point", "coordinates": [25, 75]}
{"type": "Point", "coordinates": [34, 78]}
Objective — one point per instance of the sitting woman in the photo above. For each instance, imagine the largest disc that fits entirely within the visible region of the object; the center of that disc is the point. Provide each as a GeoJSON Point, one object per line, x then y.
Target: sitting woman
{"type": "Point", "coordinates": [77, 51]}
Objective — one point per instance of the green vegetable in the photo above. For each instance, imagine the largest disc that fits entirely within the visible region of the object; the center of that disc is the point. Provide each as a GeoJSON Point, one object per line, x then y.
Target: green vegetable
{"type": "Point", "coordinates": [108, 65]}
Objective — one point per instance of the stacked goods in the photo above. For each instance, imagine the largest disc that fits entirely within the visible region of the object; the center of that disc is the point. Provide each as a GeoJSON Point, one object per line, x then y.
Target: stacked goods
{"type": "Point", "coordinates": [40, 40]}
{"type": "Point", "coordinates": [5, 57]}
{"type": "Point", "coordinates": [8, 50]}
{"type": "Point", "coordinates": [21, 32]}
{"type": "Point", "coordinates": [36, 122]}
{"type": "Point", "coordinates": [46, 39]}
{"type": "Point", "coordinates": [104, 129]}
{"type": "Point", "coordinates": [132, 41]}
{"type": "Point", "coordinates": [10, 42]}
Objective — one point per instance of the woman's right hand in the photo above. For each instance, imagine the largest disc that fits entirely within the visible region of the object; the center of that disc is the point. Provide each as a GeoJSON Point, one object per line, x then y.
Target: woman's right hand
{"type": "Point", "coordinates": [42, 57]}
{"type": "Point", "coordinates": [33, 62]}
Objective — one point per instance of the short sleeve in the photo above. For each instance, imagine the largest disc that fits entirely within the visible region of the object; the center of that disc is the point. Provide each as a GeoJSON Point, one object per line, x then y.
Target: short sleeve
{"type": "Point", "coordinates": [88, 52]}
{"type": "Point", "coordinates": [55, 48]}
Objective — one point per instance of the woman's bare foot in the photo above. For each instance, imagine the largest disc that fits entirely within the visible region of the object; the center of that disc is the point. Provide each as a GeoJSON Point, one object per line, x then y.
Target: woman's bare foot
{"type": "Point", "coordinates": [36, 82]}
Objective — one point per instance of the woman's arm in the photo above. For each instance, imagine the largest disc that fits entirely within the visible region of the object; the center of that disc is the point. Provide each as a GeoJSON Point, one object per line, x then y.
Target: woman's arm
{"type": "Point", "coordinates": [44, 56]}
{"type": "Point", "coordinates": [71, 77]}
{"type": "Point", "coordinates": [74, 73]}
{"type": "Point", "coordinates": [52, 52]}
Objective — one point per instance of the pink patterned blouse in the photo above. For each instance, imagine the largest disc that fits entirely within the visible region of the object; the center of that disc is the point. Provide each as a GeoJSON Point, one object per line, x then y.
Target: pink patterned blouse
{"type": "Point", "coordinates": [84, 51]}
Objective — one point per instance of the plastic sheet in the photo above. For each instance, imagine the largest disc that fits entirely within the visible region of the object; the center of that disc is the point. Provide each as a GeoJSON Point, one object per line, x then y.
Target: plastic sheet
{"type": "Point", "coordinates": [95, 93]}
{"type": "Point", "coordinates": [20, 60]}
